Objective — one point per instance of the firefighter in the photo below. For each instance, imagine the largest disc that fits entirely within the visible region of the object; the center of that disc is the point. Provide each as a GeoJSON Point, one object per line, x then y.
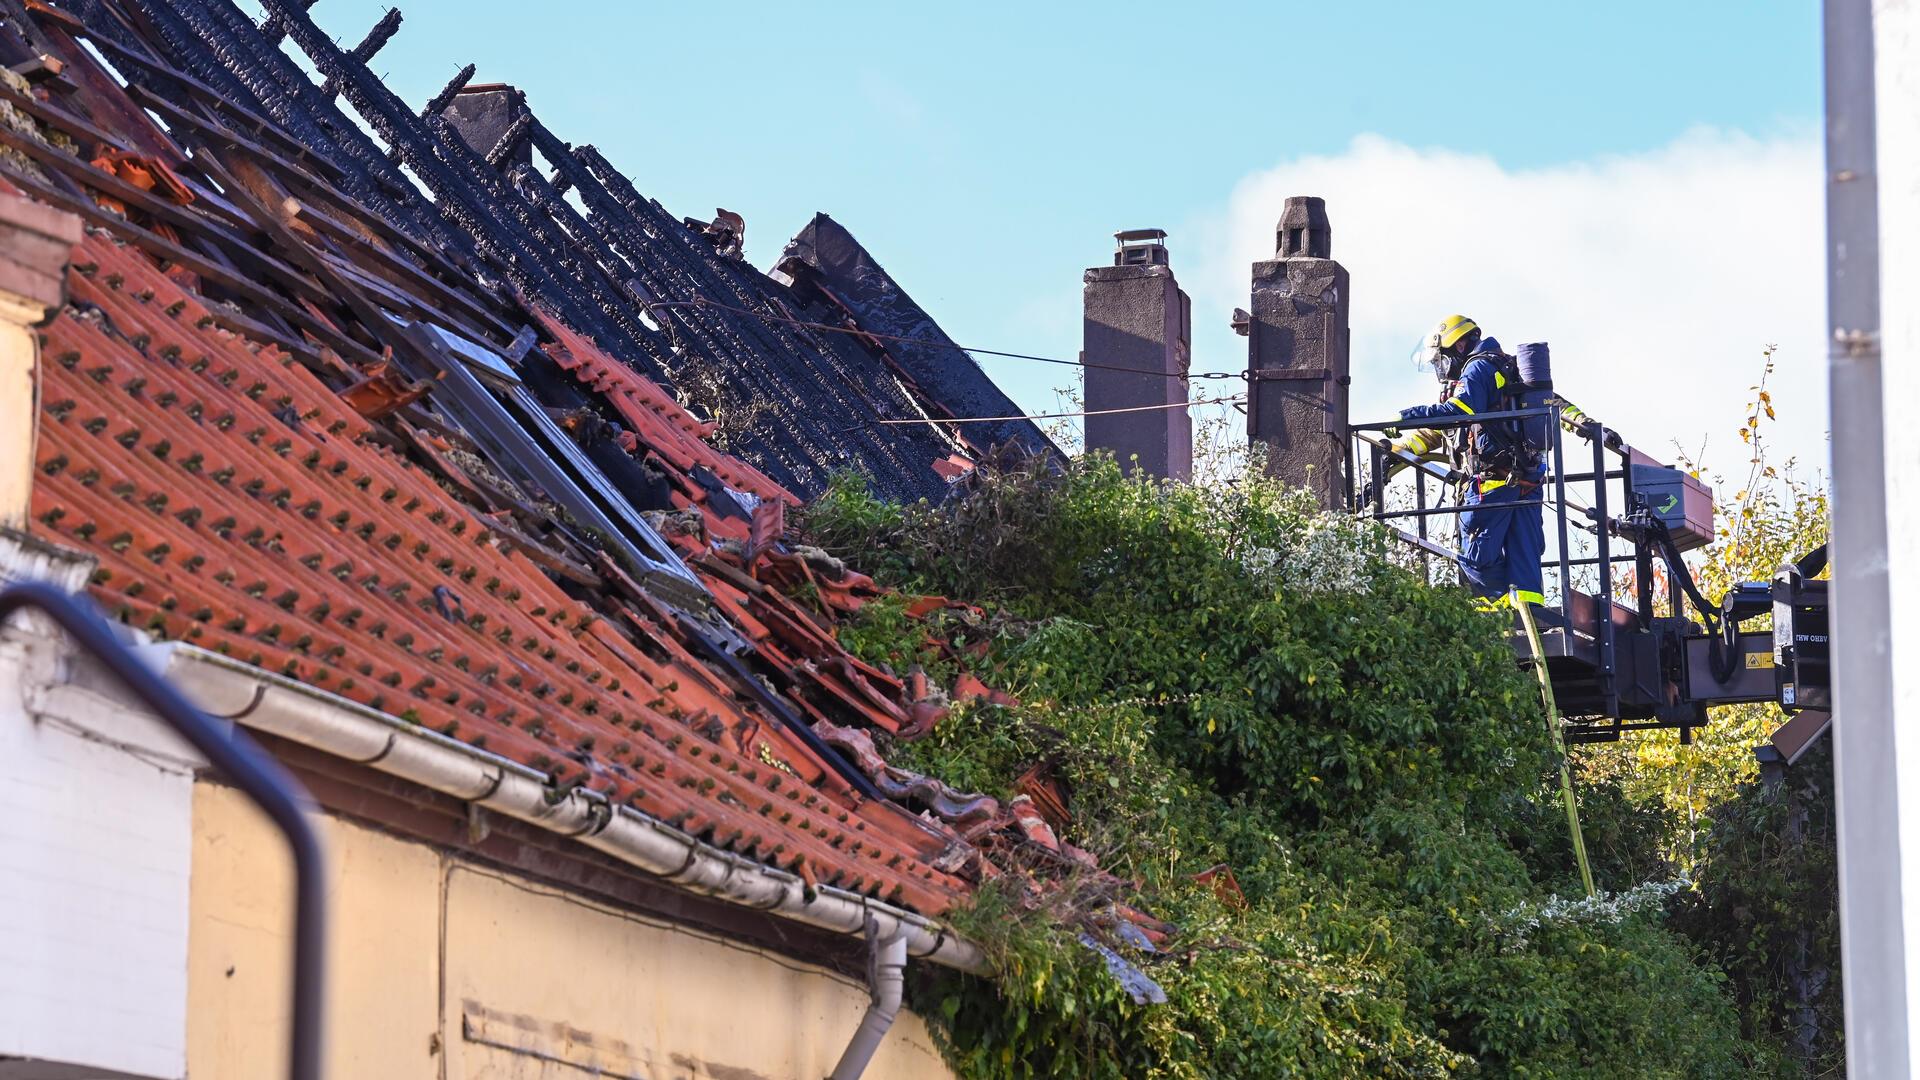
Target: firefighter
{"type": "Point", "coordinates": [1501, 544]}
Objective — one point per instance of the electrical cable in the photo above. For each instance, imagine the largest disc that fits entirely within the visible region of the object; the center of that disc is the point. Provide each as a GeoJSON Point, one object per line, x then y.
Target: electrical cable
{"type": "Point", "coordinates": [1064, 415]}
{"type": "Point", "coordinates": [700, 302]}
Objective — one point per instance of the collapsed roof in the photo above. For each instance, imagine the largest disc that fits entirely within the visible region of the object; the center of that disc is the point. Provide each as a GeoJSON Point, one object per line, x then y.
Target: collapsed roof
{"type": "Point", "coordinates": [425, 450]}
{"type": "Point", "coordinates": [671, 298]}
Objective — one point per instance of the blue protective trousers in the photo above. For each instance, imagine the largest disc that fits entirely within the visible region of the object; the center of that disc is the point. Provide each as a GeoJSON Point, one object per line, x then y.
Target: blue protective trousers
{"type": "Point", "coordinates": [1501, 545]}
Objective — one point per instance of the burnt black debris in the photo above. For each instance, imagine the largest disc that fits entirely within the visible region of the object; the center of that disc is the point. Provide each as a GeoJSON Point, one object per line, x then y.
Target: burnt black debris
{"type": "Point", "coordinates": [485, 195]}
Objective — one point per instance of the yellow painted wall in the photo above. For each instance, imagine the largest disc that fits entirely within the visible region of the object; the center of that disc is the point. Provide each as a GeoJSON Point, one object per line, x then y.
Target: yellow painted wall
{"type": "Point", "coordinates": [446, 970]}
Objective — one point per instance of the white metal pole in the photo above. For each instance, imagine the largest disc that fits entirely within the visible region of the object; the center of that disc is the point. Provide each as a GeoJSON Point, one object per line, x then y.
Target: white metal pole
{"type": "Point", "coordinates": [1871, 752]}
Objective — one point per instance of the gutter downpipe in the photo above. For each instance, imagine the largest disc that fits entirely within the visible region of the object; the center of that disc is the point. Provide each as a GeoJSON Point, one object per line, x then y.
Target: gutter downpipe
{"type": "Point", "coordinates": [887, 979]}
{"type": "Point", "coordinates": [240, 693]}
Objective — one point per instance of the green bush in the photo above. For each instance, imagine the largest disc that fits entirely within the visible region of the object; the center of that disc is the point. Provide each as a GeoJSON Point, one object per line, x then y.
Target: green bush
{"type": "Point", "coordinates": [1224, 675]}
{"type": "Point", "coordinates": [1767, 911]}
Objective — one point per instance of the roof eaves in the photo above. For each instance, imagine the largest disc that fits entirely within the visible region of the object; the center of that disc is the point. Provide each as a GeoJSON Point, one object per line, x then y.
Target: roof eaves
{"type": "Point", "coordinates": [259, 700]}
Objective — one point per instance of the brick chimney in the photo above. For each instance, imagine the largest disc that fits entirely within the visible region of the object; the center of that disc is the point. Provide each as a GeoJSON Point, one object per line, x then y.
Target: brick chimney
{"type": "Point", "coordinates": [1297, 352]}
{"type": "Point", "coordinates": [1136, 330]}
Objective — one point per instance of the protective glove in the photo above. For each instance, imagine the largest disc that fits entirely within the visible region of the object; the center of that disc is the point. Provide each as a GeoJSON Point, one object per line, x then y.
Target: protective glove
{"type": "Point", "coordinates": [1593, 430]}
{"type": "Point", "coordinates": [1418, 443]}
{"type": "Point", "coordinates": [1390, 433]}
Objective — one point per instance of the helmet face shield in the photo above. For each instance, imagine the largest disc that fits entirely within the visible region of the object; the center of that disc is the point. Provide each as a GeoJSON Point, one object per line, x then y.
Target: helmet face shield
{"type": "Point", "coordinates": [1431, 358]}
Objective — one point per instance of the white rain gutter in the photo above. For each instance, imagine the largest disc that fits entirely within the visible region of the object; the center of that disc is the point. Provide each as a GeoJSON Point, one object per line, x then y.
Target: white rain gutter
{"type": "Point", "coordinates": [263, 701]}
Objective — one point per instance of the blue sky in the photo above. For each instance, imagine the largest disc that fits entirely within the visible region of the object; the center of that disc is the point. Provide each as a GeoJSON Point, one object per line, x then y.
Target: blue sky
{"type": "Point", "coordinates": [986, 152]}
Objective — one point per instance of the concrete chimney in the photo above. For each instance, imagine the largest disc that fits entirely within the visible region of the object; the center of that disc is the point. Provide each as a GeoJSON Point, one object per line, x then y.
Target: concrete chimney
{"type": "Point", "coordinates": [1136, 330]}
{"type": "Point", "coordinates": [483, 114]}
{"type": "Point", "coordinates": [1297, 354]}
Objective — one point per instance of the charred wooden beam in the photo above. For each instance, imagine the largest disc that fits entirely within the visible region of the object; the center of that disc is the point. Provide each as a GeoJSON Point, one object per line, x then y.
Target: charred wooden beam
{"type": "Point", "coordinates": [506, 149]}
{"type": "Point", "coordinates": [375, 40]}
{"type": "Point", "coordinates": [206, 267]}
{"type": "Point", "coordinates": [474, 198]}
{"type": "Point", "coordinates": [445, 97]}
{"type": "Point", "coordinates": [275, 29]}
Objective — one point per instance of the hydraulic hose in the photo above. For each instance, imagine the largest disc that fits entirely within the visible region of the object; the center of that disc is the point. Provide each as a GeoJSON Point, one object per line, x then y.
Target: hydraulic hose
{"type": "Point", "coordinates": [1723, 634]}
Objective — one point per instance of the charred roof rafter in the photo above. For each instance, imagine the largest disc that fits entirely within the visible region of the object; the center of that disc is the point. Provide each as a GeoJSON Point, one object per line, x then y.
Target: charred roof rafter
{"type": "Point", "coordinates": [228, 52]}
{"type": "Point", "coordinates": [468, 193]}
{"type": "Point", "coordinates": [792, 364]}
{"type": "Point", "coordinates": [652, 290]}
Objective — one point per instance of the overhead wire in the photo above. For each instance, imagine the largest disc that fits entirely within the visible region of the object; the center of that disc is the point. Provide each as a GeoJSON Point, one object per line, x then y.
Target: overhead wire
{"type": "Point", "coordinates": [1064, 415]}
{"type": "Point", "coordinates": [929, 342]}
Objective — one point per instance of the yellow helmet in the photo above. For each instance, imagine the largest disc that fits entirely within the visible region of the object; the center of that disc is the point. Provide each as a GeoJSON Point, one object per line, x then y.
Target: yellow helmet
{"type": "Point", "coordinates": [1455, 330]}
{"type": "Point", "coordinates": [1447, 348]}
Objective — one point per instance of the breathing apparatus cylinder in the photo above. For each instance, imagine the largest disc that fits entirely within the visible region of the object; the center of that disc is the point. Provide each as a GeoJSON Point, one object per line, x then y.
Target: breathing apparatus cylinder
{"type": "Point", "coordinates": [1536, 365]}
{"type": "Point", "coordinates": [1536, 389]}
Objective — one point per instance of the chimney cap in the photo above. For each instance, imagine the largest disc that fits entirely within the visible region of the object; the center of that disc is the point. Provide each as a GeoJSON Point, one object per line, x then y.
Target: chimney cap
{"type": "Point", "coordinates": [1304, 230]}
{"type": "Point", "coordinates": [1140, 247]}
{"type": "Point", "coordinates": [490, 88]}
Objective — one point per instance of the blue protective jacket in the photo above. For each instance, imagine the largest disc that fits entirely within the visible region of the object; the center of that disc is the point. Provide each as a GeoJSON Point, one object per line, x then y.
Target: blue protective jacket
{"type": "Point", "coordinates": [1501, 545]}
{"type": "Point", "coordinates": [1482, 388]}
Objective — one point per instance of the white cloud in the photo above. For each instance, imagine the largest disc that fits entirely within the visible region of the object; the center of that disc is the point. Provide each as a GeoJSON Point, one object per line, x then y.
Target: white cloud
{"type": "Point", "coordinates": [1658, 277]}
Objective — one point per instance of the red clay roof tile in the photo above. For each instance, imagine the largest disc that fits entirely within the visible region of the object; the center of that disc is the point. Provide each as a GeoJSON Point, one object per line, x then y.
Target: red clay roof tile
{"type": "Point", "coordinates": [238, 504]}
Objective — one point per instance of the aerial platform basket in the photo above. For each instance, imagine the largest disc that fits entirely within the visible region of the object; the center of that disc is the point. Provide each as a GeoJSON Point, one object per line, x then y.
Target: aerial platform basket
{"type": "Point", "coordinates": [1629, 641]}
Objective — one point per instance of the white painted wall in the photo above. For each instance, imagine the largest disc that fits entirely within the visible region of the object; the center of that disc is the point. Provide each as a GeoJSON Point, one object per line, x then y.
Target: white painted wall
{"type": "Point", "coordinates": [96, 820]}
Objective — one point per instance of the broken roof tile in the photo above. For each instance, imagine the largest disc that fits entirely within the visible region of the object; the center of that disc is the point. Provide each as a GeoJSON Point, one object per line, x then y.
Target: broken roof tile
{"type": "Point", "coordinates": [237, 504]}
{"type": "Point", "coordinates": [424, 447]}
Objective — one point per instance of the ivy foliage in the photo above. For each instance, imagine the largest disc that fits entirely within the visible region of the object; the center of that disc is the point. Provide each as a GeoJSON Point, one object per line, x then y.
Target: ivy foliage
{"type": "Point", "coordinates": [1223, 675]}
